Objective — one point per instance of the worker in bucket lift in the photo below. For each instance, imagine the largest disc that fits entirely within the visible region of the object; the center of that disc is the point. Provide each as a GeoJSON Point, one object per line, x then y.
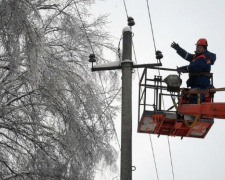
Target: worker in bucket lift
{"type": "Point", "coordinates": [199, 67]}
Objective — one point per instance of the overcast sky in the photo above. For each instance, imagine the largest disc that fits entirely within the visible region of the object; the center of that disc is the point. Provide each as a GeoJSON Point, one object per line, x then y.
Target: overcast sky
{"type": "Point", "coordinates": [183, 22]}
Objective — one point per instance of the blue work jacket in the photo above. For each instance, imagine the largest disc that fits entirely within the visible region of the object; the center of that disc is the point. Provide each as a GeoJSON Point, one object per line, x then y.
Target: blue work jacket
{"type": "Point", "coordinates": [199, 64]}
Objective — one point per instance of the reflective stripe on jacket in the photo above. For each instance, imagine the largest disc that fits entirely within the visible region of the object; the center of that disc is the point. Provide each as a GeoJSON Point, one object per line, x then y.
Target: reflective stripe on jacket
{"type": "Point", "coordinates": [189, 57]}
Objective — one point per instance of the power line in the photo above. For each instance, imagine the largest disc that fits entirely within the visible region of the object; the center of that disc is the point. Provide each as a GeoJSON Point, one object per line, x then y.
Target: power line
{"type": "Point", "coordinates": [154, 157]}
{"type": "Point", "coordinates": [149, 14]}
{"type": "Point", "coordinates": [135, 57]}
{"type": "Point", "coordinates": [125, 8]}
{"type": "Point", "coordinates": [170, 157]}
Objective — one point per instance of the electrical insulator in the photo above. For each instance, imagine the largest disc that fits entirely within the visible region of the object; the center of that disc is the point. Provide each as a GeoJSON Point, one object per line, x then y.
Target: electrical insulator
{"type": "Point", "coordinates": [130, 21]}
{"type": "Point", "coordinates": [159, 55]}
{"type": "Point", "coordinates": [92, 58]}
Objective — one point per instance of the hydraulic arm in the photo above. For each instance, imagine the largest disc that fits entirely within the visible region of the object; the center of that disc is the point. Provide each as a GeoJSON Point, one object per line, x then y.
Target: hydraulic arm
{"type": "Point", "coordinates": [203, 110]}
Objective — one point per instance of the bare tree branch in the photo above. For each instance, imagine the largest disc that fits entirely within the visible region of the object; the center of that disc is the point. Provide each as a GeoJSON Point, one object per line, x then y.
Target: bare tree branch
{"type": "Point", "coordinates": [55, 122]}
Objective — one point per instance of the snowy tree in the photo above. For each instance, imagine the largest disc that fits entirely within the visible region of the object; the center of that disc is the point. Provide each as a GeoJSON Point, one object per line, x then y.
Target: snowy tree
{"type": "Point", "coordinates": [56, 117]}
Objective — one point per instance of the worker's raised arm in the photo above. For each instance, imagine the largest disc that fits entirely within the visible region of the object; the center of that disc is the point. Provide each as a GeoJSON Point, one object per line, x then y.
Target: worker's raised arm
{"type": "Point", "coordinates": [184, 54]}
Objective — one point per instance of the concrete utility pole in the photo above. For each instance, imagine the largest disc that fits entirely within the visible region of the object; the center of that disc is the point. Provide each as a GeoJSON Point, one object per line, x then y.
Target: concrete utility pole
{"type": "Point", "coordinates": [126, 129]}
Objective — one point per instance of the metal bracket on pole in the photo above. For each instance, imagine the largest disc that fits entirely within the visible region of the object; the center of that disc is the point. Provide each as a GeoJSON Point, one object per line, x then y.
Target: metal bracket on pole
{"type": "Point", "coordinates": [117, 65]}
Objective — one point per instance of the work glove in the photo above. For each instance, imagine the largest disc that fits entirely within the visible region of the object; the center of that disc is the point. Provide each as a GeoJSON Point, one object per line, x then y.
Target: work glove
{"type": "Point", "coordinates": [175, 46]}
{"type": "Point", "coordinates": [182, 69]}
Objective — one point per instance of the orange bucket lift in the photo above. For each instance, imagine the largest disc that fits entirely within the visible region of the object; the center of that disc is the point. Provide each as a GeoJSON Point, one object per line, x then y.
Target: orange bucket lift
{"type": "Point", "coordinates": [182, 118]}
